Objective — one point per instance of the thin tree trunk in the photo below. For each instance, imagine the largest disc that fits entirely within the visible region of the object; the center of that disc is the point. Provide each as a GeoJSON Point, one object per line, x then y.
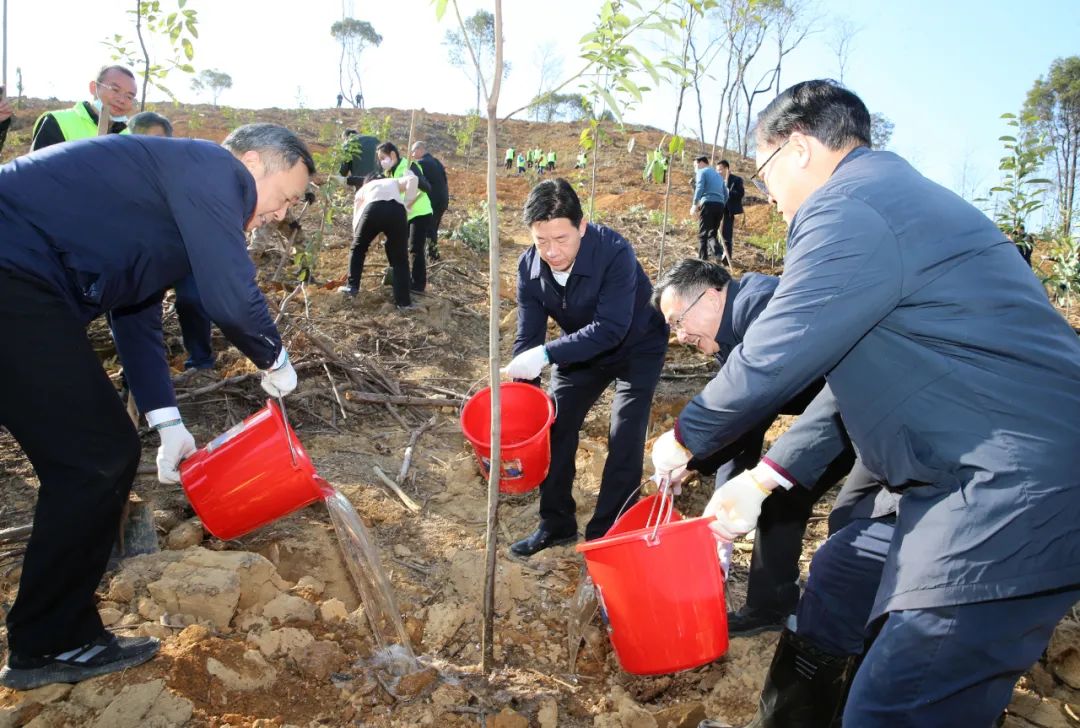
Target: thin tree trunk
{"type": "Point", "coordinates": [488, 642]}
{"type": "Point", "coordinates": [146, 55]}
{"type": "Point", "coordinates": [675, 131]}
{"type": "Point", "coordinates": [595, 157]}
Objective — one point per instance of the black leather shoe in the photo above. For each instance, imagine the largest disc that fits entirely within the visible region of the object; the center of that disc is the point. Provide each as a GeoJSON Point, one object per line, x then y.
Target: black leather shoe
{"type": "Point", "coordinates": [749, 621]}
{"type": "Point", "coordinates": [539, 540]}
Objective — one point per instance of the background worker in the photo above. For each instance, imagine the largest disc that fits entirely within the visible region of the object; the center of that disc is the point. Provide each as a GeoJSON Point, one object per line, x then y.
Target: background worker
{"type": "Point", "coordinates": [709, 310]}
{"type": "Point", "coordinates": [587, 278]}
{"type": "Point", "coordinates": [551, 160]}
{"type": "Point", "coordinates": [178, 207]}
{"type": "Point", "coordinates": [710, 195]}
{"type": "Point", "coordinates": [195, 324]}
{"type": "Point", "coordinates": [509, 159]}
{"type": "Point", "coordinates": [379, 208]}
{"type": "Point", "coordinates": [114, 89]}
{"type": "Point", "coordinates": [352, 150]}
{"type": "Point", "coordinates": [435, 173]}
{"type": "Point", "coordinates": [956, 380]}
{"type": "Point", "coordinates": [419, 213]}
{"type": "Point", "coordinates": [736, 191]}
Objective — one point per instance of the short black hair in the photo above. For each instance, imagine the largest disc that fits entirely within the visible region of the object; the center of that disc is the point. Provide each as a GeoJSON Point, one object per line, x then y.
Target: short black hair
{"type": "Point", "coordinates": [348, 132]}
{"type": "Point", "coordinates": [101, 74]}
{"type": "Point", "coordinates": [278, 148]}
{"type": "Point", "coordinates": [689, 277]}
{"type": "Point", "coordinates": [552, 199]}
{"type": "Point", "coordinates": [822, 109]}
{"type": "Point", "coordinates": [724, 163]}
{"type": "Point", "coordinates": [702, 159]}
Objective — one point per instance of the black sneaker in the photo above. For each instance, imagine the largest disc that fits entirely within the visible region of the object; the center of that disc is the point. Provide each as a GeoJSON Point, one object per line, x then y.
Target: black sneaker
{"type": "Point", "coordinates": [108, 653]}
{"type": "Point", "coordinates": [348, 290]}
{"type": "Point", "coordinates": [748, 621]}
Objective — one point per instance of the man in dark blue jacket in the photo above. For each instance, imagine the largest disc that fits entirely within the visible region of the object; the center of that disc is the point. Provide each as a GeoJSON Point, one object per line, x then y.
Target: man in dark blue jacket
{"type": "Point", "coordinates": [956, 380]}
{"type": "Point", "coordinates": [715, 321]}
{"type": "Point", "coordinates": [105, 225]}
{"type": "Point", "coordinates": [588, 279]}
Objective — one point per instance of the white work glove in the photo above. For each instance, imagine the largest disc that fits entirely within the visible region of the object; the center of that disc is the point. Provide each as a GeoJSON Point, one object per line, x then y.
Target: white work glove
{"type": "Point", "coordinates": [279, 379]}
{"type": "Point", "coordinates": [736, 505]}
{"type": "Point", "coordinates": [176, 443]}
{"type": "Point", "coordinates": [528, 364]}
{"type": "Point", "coordinates": [669, 459]}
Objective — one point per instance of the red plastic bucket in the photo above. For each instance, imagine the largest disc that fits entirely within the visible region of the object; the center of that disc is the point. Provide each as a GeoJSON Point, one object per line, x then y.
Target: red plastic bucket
{"type": "Point", "coordinates": [639, 516]}
{"type": "Point", "coordinates": [661, 590]}
{"type": "Point", "coordinates": [527, 414]}
{"type": "Point", "coordinates": [249, 476]}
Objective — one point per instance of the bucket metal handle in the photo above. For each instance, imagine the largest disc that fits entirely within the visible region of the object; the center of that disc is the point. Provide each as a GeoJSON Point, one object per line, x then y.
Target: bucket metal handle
{"type": "Point", "coordinates": [663, 510]}
{"type": "Point", "coordinates": [285, 421]}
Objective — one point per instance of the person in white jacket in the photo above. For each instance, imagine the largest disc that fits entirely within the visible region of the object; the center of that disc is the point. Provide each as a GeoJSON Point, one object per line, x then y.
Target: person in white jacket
{"type": "Point", "coordinates": [381, 207]}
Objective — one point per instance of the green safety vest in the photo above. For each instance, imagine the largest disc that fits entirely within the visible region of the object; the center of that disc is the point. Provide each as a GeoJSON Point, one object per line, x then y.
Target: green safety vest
{"type": "Point", "coordinates": [510, 153]}
{"type": "Point", "coordinates": [75, 123]}
{"type": "Point", "coordinates": [551, 156]}
{"type": "Point", "coordinates": [422, 205]}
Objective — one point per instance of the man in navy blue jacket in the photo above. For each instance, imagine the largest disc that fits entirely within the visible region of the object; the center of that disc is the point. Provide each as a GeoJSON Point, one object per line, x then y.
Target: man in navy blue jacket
{"type": "Point", "coordinates": [588, 279]}
{"type": "Point", "coordinates": [957, 382]}
{"type": "Point", "coordinates": [105, 225]}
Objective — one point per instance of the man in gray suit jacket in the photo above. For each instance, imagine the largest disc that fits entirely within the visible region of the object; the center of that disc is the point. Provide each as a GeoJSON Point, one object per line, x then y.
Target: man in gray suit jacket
{"type": "Point", "coordinates": [957, 381]}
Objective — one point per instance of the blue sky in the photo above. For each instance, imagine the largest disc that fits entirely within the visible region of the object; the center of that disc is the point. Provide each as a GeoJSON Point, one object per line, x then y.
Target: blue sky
{"type": "Point", "coordinates": [942, 70]}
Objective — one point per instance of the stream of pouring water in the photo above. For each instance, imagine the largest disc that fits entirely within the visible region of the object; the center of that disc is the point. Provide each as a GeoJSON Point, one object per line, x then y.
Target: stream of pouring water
{"type": "Point", "coordinates": [362, 557]}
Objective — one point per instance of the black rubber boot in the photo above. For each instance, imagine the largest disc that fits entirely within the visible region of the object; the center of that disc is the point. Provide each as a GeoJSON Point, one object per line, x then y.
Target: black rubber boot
{"type": "Point", "coordinates": [805, 688]}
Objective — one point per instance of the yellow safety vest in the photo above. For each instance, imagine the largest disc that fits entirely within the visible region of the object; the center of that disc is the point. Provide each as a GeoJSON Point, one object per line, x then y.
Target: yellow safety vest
{"type": "Point", "coordinates": [422, 205]}
{"type": "Point", "coordinates": [75, 123]}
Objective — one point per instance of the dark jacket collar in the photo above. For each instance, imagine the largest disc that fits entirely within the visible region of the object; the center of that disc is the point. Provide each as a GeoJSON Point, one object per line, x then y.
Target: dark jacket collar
{"type": "Point", "coordinates": [725, 335]}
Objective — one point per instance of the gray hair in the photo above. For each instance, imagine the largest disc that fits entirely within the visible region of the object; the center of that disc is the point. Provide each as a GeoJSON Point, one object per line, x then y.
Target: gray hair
{"type": "Point", "coordinates": [689, 277]}
{"type": "Point", "coordinates": [419, 145]}
{"type": "Point", "coordinates": [277, 147]}
{"type": "Point", "coordinates": [145, 120]}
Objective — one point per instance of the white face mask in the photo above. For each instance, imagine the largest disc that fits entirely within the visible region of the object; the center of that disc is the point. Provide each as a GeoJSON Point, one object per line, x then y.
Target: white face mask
{"type": "Point", "coordinates": [386, 163]}
{"type": "Point", "coordinates": [97, 107]}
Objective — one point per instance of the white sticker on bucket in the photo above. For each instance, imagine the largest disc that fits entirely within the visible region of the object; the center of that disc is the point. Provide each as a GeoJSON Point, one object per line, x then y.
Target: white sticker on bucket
{"type": "Point", "coordinates": [511, 469]}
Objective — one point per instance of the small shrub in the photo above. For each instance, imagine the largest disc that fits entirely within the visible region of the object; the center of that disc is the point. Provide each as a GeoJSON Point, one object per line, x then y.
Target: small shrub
{"type": "Point", "coordinates": [774, 240]}
{"type": "Point", "coordinates": [473, 230]}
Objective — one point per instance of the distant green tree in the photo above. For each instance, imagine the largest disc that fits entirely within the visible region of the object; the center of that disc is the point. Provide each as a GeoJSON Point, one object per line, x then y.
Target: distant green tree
{"type": "Point", "coordinates": [881, 129]}
{"type": "Point", "coordinates": [354, 36]}
{"type": "Point", "coordinates": [213, 81]}
{"type": "Point", "coordinates": [1053, 104]}
{"type": "Point", "coordinates": [564, 107]}
{"type": "Point", "coordinates": [478, 31]}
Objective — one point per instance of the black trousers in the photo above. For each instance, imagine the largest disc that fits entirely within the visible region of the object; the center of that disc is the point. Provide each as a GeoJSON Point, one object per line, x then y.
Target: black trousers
{"type": "Point", "coordinates": [388, 217]}
{"type": "Point", "coordinates": [575, 389]}
{"type": "Point", "coordinates": [436, 220]}
{"type": "Point", "coordinates": [418, 233]}
{"type": "Point", "coordinates": [58, 403]}
{"type": "Point", "coordinates": [727, 231]}
{"type": "Point", "coordinates": [709, 218]}
{"type": "Point", "coordinates": [773, 585]}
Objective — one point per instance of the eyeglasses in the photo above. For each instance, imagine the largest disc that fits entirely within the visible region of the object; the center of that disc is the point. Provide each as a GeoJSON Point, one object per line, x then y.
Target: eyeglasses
{"type": "Point", "coordinates": [756, 179]}
{"type": "Point", "coordinates": [678, 324]}
{"type": "Point", "coordinates": [127, 96]}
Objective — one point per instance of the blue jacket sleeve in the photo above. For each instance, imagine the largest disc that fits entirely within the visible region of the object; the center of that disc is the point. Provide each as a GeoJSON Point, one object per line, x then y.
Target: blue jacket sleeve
{"type": "Point", "coordinates": [813, 442]}
{"type": "Point", "coordinates": [614, 313]}
{"type": "Point", "coordinates": [211, 212]}
{"type": "Point", "coordinates": [699, 186]}
{"type": "Point", "coordinates": [842, 276]}
{"type": "Point", "coordinates": [531, 316]}
{"type": "Point", "coordinates": [139, 342]}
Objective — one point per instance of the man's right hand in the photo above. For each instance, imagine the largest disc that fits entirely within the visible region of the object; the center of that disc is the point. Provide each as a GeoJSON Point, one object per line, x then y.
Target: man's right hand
{"type": "Point", "coordinates": [280, 378]}
{"type": "Point", "coordinates": [176, 444]}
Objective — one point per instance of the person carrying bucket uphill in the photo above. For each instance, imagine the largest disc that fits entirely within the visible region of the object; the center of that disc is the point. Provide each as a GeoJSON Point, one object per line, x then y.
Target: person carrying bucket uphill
{"type": "Point", "coordinates": [588, 279]}
{"type": "Point", "coordinates": [105, 225]}
{"type": "Point", "coordinates": [957, 382]}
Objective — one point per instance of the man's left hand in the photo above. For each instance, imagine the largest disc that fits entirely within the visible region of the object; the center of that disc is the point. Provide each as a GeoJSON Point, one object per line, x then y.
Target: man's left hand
{"type": "Point", "coordinates": [528, 364]}
{"type": "Point", "coordinates": [737, 505]}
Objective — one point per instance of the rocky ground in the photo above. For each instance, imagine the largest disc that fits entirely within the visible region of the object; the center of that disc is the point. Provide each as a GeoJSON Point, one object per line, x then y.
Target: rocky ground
{"type": "Point", "coordinates": [268, 630]}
